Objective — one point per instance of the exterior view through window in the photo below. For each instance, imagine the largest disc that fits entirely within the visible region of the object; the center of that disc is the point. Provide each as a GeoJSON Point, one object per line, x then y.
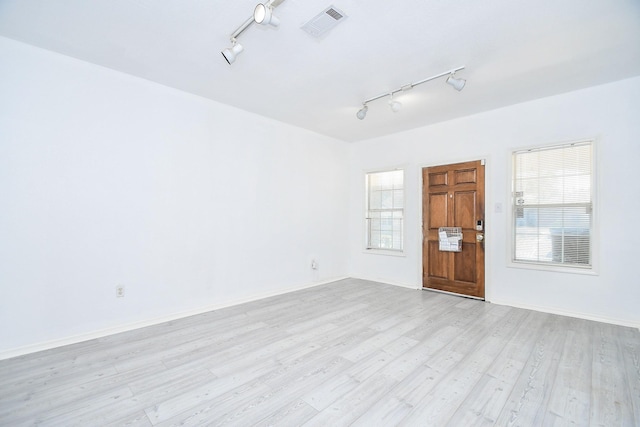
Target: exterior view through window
{"type": "Point", "coordinates": [553, 205]}
{"type": "Point", "coordinates": [385, 210]}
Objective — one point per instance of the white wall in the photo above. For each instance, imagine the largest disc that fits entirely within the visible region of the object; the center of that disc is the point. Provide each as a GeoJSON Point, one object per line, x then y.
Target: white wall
{"type": "Point", "coordinates": [609, 113]}
{"type": "Point", "coordinates": [107, 179]}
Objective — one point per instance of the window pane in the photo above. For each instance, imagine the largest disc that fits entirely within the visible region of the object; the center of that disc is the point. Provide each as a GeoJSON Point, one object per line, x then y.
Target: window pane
{"type": "Point", "coordinates": [386, 225]}
{"type": "Point", "coordinates": [564, 217]}
{"type": "Point", "coordinates": [375, 201]}
{"type": "Point", "coordinates": [571, 246]}
{"type": "Point", "coordinates": [549, 163]}
{"type": "Point", "coordinates": [398, 199]}
{"type": "Point", "coordinates": [550, 190]}
{"type": "Point", "coordinates": [577, 161]}
{"type": "Point", "coordinates": [387, 199]}
{"type": "Point", "coordinates": [530, 246]}
{"type": "Point", "coordinates": [374, 241]}
{"type": "Point", "coordinates": [577, 189]}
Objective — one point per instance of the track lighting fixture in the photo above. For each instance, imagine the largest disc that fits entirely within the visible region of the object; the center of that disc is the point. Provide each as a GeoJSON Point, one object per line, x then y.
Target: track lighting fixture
{"type": "Point", "coordinates": [232, 52]}
{"type": "Point", "coordinates": [262, 14]}
{"type": "Point", "coordinates": [362, 113]}
{"type": "Point", "coordinates": [395, 106]}
{"type": "Point", "coordinates": [457, 84]}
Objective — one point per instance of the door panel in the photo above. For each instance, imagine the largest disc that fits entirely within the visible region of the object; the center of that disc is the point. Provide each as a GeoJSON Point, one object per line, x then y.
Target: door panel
{"type": "Point", "coordinates": [436, 179]}
{"type": "Point", "coordinates": [465, 176]}
{"type": "Point", "coordinates": [453, 196]}
{"type": "Point", "coordinates": [439, 210]}
{"type": "Point", "coordinates": [465, 264]}
{"type": "Point", "coordinates": [438, 263]}
{"type": "Point", "coordinates": [464, 209]}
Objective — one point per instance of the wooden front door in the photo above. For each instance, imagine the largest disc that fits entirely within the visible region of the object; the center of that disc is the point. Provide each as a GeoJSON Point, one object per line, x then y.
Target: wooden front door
{"type": "Point", "coordinates": [453, 196]}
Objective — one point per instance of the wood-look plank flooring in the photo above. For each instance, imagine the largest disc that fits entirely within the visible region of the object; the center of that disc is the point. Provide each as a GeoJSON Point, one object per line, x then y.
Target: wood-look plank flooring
{"type": "Point", "coordinates": [348, 353]}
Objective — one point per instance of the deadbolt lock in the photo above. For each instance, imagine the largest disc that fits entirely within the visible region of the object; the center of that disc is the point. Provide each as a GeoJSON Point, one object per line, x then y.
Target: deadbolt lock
{"type": "Point", "coordinates": [479, 237]}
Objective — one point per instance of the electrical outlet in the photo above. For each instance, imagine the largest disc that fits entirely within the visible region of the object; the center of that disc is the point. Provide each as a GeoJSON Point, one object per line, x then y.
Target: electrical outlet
{"type": "Point", "coordinates": [314, 264]}
{"type": "Point", "coordinates": [119, 291]}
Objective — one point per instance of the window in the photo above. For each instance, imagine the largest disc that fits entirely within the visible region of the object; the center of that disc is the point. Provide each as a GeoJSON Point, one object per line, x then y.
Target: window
{"type": "Point", "coordinates": [553, 205]}
{"type": "Point", "coordinates": [385, 210]}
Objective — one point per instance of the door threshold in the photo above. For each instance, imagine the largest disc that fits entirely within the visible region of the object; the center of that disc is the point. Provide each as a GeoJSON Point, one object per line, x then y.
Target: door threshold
{"type": "Point", "coordinates": [453, 293]}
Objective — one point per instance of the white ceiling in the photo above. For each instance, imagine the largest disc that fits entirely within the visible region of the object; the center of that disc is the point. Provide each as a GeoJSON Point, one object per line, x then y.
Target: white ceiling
{"type": "Point", "coordinates": [513, 50]}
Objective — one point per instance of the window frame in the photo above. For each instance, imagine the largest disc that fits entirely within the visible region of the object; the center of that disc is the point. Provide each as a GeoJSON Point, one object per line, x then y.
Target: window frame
{"type": "Point", "coordinates": [366, 238]}
{"type": "Point", "coordinates": [594, 235]}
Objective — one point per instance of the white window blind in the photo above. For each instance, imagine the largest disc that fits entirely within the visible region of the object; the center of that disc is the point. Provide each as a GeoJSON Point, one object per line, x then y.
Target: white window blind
{"type": "Point", "coordinates": [553, 205]}
{"type": "Point", "coordinates": [385, 210]}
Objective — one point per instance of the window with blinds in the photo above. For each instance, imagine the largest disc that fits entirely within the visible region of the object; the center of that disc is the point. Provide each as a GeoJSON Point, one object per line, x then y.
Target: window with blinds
{"type": "Point", "coordinates": [385, 210]}
{"type": "Point", "coordinates": [553, 205]}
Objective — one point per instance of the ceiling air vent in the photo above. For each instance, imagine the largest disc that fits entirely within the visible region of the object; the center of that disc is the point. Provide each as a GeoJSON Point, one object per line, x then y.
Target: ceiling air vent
{"type": "Point", "coordinates": [320, 24]}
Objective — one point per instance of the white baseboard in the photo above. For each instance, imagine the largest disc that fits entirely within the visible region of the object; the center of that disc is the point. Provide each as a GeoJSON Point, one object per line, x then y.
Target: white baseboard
{"type": "Point", "coordinates": [550, 310]}
{"type": "Point", "coordinates": [554, 310]}
{"type": "Point", "coordinates": [387, 282]}
{"type": "Point", "coordinates": [33, 348]}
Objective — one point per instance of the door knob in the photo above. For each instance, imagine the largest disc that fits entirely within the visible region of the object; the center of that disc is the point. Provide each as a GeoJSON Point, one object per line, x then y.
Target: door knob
{"type": "Point", "coordinates": [479, 237]}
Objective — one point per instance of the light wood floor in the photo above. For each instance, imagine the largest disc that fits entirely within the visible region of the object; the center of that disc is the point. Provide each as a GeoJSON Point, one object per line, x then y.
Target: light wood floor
{"type": "Point", "coordinates": [348, 353]}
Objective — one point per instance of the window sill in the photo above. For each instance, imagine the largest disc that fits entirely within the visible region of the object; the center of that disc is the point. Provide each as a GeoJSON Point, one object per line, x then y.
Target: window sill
{"type": "Point", "coordinates": [384, 252]}
{"type": "Point", "coordinates": [588, 271]}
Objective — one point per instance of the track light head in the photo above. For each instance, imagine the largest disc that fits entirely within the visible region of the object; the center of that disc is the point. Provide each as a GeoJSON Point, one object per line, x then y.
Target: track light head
{"type": "Point", "coordinates": [362, 113]}
{"type": "Point", "coordinates": [394, 105]}
{"type": "Point", "coordinates": [263, 14]}
{"type": "Point", "coordinates": [232, 52]}
{"type": "Point", "coordinates": [457, 84]}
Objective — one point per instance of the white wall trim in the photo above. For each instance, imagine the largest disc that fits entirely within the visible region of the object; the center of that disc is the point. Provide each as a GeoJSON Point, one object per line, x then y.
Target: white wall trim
{"type": "Point", "coordinates": [550, 310]}
{"type": "Point", "coordinates": [553, 310]}
{"type": "Point", "coordinates": [47, 345]}
{"type": "Point", "coordinates": [387, 282]}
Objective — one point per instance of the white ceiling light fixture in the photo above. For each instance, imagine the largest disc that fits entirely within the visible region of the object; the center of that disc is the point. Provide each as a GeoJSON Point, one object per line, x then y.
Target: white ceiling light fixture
{"type": "Point", "coordinates": [232, 52]}
{"type": "Point", "coordinates": [362, 113]}
{"type": "Point", "coordinates": [395, 106]}
{"type": "Point", "coordinates": [457, 84]}
{"type": "Point", "coordinates": [262, 14]}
